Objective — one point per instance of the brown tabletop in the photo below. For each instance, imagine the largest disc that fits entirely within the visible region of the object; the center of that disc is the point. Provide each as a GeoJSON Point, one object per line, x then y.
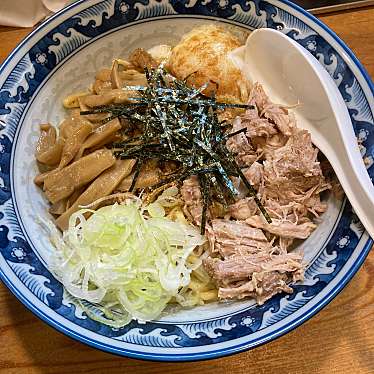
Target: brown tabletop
{"type": "Point", "coordinates": [340, 339]}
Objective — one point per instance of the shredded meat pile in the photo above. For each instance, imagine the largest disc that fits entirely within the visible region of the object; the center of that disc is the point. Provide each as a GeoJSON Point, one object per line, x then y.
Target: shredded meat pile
{"type": "Point", "coordinates": [247, 255]}
{"type": "Point", "coordinates": [244, 263]}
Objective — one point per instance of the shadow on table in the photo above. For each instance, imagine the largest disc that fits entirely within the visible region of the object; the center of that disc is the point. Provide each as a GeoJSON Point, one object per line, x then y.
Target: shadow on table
{"type": "Point", "coordinates": [308, 349]}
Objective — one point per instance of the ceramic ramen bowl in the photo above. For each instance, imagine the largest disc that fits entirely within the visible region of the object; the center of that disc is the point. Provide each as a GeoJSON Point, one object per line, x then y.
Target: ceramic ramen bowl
{"type": "Point", "coordinates": [61, 56]}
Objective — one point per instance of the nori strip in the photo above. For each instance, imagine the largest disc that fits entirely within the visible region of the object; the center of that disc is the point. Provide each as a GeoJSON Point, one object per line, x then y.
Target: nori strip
{"type": "Point", "coordinates": [178, 123]}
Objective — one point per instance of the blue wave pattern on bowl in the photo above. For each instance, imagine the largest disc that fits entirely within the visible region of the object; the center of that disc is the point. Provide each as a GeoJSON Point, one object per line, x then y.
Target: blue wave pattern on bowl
{"type": "Point", "coordinates": [58, 44]}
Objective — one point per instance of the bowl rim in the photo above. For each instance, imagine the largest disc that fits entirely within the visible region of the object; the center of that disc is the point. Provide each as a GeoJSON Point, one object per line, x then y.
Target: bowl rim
{"type": "Point", "coordinates": [45, 317]}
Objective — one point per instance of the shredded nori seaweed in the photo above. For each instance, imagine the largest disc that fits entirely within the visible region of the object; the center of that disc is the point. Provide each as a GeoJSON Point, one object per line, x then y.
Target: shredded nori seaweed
{"type": "Point", "coordinates": [178, 123]}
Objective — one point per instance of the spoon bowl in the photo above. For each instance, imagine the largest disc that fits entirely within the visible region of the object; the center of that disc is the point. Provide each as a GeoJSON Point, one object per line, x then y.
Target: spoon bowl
{"type": "Point", "coordinates": [292, 76]}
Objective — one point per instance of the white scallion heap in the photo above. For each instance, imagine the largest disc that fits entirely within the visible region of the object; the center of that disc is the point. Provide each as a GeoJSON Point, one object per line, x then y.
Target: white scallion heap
{"type": "Point", "coordinates": [127, 260]}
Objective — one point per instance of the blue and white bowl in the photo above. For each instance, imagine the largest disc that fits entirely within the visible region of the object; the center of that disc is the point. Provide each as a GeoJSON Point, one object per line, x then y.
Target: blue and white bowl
{"type": "Point", "coordinates": [61, 56]}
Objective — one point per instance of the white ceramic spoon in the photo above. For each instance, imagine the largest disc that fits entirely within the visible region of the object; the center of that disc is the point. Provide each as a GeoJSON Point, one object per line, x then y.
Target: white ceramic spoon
{"type": "Point", "coordinates": [290, 75]}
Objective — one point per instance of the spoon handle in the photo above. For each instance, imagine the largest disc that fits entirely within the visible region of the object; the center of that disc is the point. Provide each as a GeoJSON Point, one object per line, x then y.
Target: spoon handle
{"type": "Point", "coordinates": [339, 144]}
{"type": "Point", "coordinates": [355, 182]}
{"type": "Point", "coordinates": [348, 164]}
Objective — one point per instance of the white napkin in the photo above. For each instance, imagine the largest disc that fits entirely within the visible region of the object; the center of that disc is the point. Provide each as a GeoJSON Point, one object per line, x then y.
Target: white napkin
{"type": "Point", "coordinates": [26, 13]}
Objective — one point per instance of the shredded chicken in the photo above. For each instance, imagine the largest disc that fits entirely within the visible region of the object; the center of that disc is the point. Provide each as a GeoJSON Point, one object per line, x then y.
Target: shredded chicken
{"type": "Point", "coordinates": [260, 275]}
{"type": "Point", "coordinates": [240, 146]}
{"type": "Point", "coordinates": [230, 237]}
{"type": "Point", "coordinates": [243, 208]}
{"type": "Point", "coordinates": [191, 195]}
{"type": "Point", "coordinates": [267, 110]}
{"type": "Point", "coordinates": [283, 228]}
{"type": "Point", "coordinates": [279, 160]}
{"type": "Point", "coordinates": [262, 287]}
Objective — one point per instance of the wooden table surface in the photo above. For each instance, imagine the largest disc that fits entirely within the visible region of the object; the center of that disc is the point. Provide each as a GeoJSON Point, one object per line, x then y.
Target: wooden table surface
{"type": "Point", "coordinates": [340, 339]}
